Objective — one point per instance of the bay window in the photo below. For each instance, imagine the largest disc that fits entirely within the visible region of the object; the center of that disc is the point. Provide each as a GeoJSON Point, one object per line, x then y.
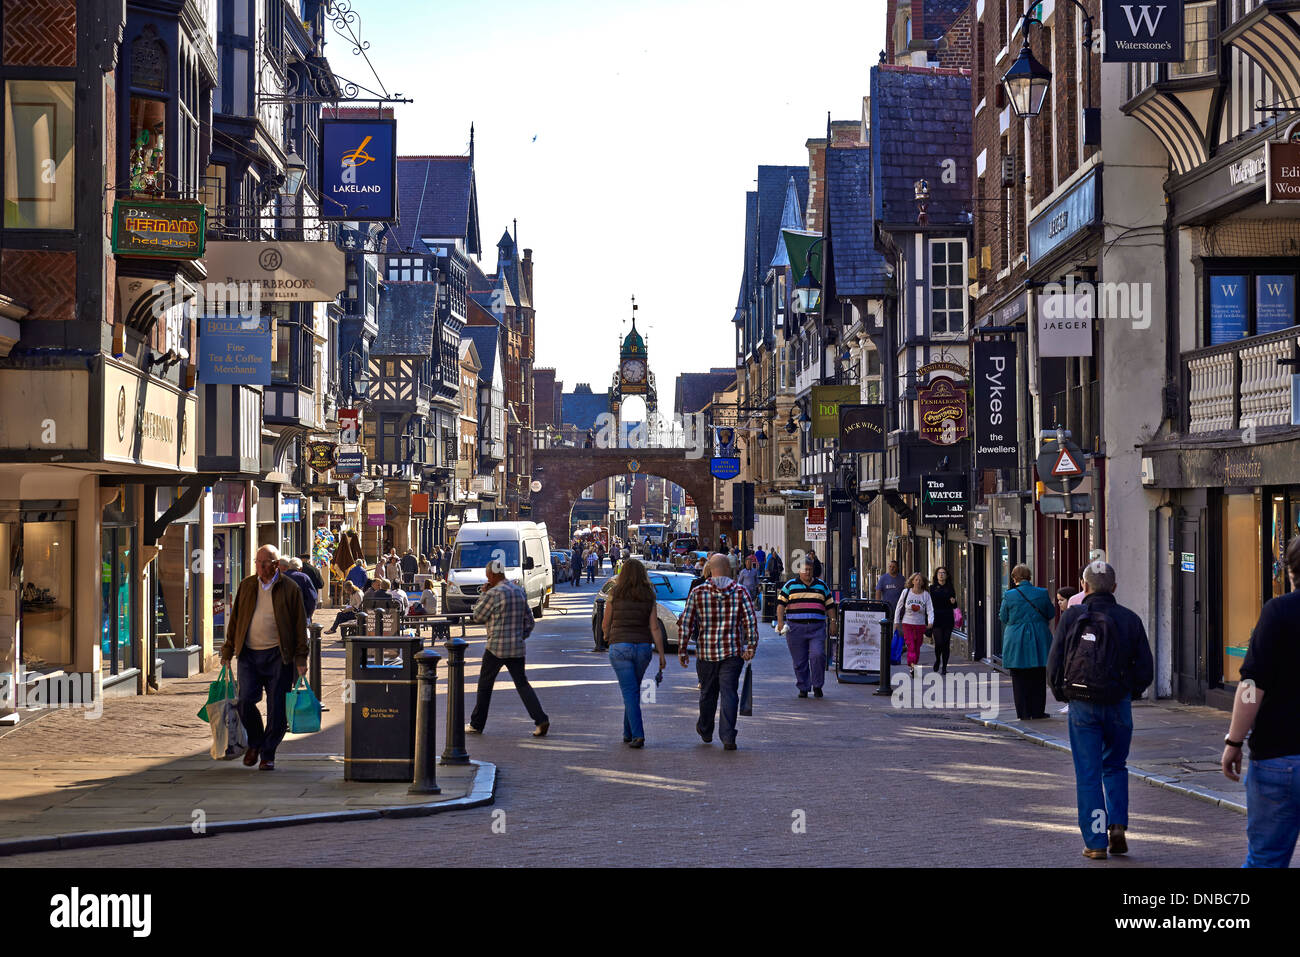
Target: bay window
{"type": "Point", "coordinates": [39, 154]}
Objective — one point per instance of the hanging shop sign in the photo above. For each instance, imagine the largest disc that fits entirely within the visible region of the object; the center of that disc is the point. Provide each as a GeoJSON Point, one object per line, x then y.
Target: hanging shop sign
{"type": "Point", "coordinates": [1065, 323]}
{"type": "Point", "coordinates": [996, 445]}
{"type": "Point", "coordinates": [826, 401]}
{"type": "Point", "coordinates": [944, 497]}
{"type": "Point", "coordinates": [280, 271]}
{"type": "Point", "coordinates": [944, 366]}
{"type": "Point", "coordinates": [349, 463]}
{"type": "Point", "coordinates": [1142, 32]}
{"type": "Point", "coordinates": [941, 411]}
{"type": "Point", "coordinates": [419, 503]}
{"type": "Point", "coordinates": [358, 169]}
{"type": "Point", "coordinates": [323, 490]}
{"type": "Point", "coordinates": [290, 509]}
{"type": "Point", "coordinates": [862, 428]}
{"type": "Point", "coordinates": [724, 442]}
{"type": "Point", "coordinates": [159, 229]}
{"type": "Point", "coordinates": [235, 350]}
{"type": "Point", "coordinates": [814, 525]}
{"type": "Point", "coordinates": [321, 456]}
{"type": "Point", "coordinates": [349, 426]}
{"type": "Point", "coordinates": [1283, 172]}
{"type": "Point", "coordinates": [376, 514]}
{"type": "Point", "coordinates": [724, 467]}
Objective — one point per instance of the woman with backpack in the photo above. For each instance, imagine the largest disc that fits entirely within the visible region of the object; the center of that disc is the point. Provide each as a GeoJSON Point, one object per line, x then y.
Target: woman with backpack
{"type": "Point", "coordinates": [1027, 614]}
{"type": "Point", "coordinates": [914, 614]}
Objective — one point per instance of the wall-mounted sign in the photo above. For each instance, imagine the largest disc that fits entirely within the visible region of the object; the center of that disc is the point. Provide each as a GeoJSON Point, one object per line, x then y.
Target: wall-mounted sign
{"type": "Point", "coordinates": [1282, 161]}
{"type": "Point", "coordinates": [1140, 31]}
{"type": "Point", "coordinates": [1274, 303]}
{"type": "Point", "coordinates": [419, 503]}
{"type": "Point", "coordinates": [167, 230]}
{"type": "Point", "coordinates": [291, 508]}
{"type": "Point", "coordinates": [321, 455]}
{"type": "Point", "coordinates": [365, 485]}
{"type": "Point", "coordinates": [724, 467]}
{"type": "Point", "coordinates": [1065, 324]}
{"type": "Point", "coordinates": [996, 444]}
{"type": "Point", "coordinates": [862, 428]}
{"type": "Point", "coordinates": [944, 497]}
{"type": "Point", "coordinates": [1189, 561]}
{"type": "Point", "coordinates": [1229, 316]}
{"type": "Point", "coordinates": [349, 463]}
{"type": "Point", "coordinates": [149, 424]}
{"type": "Point", "coordinates": [1064, 219]}
{"type": "Point", "coordinates": [814, 525]}
{"type": "Point", "coordinates": [235, 350]}
{"type": "Point", "coordinates": [826, 401]}
{"type": "Point", "coordinates": [358, 169]}
{"type": "Point", "coordinates": [281, 271]}
{"type": "Point", "coordinates": [941, 412]}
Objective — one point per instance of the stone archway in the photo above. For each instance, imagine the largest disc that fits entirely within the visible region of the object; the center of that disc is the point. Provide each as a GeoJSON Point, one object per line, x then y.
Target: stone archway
{"type": "Point", "coordinates": [565, 472]}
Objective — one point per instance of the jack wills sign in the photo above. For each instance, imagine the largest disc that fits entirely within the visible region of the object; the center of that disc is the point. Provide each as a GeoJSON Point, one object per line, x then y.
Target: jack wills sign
{"type": "Point", "coordinates": [1142, 31]}
{"type": "Point", "coordinates": [862, 428]}
{"type": "Point", "coordinates": [996, 446]}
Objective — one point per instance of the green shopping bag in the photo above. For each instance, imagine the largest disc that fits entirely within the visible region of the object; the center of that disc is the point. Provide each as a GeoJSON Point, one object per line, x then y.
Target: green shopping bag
{"type": "Point", "coordinates": [219, 690]}
{"type": "Point", "coordinates": [303, 708]}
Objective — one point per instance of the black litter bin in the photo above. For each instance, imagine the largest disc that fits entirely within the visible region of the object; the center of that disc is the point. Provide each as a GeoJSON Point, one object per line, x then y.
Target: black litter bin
{"type": "Point", "coordinates": [769, 600]}
{"type": "Point", "coordinates": [379, 726]}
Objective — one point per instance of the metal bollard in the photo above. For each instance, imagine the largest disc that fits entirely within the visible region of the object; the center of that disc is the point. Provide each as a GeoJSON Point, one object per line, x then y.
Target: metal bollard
{"type": "Point", "coordinates": [886, 640]}
{"type": "Point", "coordinates": [425, 778]}
{"type": "Point", "coordinates": [455, 752]}
{"type": "Point", "coordinates": [313, 673]}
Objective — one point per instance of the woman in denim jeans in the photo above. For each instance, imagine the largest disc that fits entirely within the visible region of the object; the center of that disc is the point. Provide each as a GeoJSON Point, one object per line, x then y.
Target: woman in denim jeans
{"type": "Point", "coordinates": [631, 626]}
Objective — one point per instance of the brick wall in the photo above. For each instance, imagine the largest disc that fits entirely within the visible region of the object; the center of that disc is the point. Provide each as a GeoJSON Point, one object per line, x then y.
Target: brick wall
{"type": "Point", "coordinates": [816, 184]}
{"type": "Point", "coordinates": [42, 280]}
{"type": "Point", "coordinates": [955, 50]}
{"type": "Point", "coordinates": [40, 32]}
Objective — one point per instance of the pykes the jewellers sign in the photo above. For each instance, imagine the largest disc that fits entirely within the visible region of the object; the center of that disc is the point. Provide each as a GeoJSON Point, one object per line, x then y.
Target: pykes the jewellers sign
{"type": "Point", "coordinates": [996, 445]}
{"type": "Point", "coordinates": [1139, 31]}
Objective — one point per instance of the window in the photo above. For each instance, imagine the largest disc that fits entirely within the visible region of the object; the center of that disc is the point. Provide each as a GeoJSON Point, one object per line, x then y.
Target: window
{"type": "Point", "coordinates": [39, 154]}
{"type": "Point", "coordinates": [1200, 33]}
{"type": "Point", "coordinates": [390, 440]}
{"type": "Point", "coordinates": [213, 192]}
{"type": "Point", "coordinates": [1243, 302]}
{"type": "Point", "coordinates": [947, 286]}
{"type": "Point", "coordinates": [283, 347]}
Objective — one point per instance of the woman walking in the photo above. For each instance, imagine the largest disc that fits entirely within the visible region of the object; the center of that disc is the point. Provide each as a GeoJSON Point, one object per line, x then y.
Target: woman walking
{"type": "Point", "coordinates": [914, 614]}
{"type": "Point", "coordinates": [945, 601]}
{"type": "Point", "coordinates": [631, 626]}
{"type": "Point", "coordinates": [1026, 614]}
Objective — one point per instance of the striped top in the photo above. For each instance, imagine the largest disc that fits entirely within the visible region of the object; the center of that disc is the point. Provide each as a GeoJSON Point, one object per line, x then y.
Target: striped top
{"type": "Point", "coordinates": [805, 602]}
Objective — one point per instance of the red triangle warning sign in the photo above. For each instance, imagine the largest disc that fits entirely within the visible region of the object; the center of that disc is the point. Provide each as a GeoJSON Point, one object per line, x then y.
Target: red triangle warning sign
{"type": "Point", "coordinates": [1066, 465]}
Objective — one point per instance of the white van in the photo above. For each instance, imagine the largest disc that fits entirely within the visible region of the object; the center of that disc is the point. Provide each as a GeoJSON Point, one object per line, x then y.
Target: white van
{"type": "Point", "coordinates": [524, 548]}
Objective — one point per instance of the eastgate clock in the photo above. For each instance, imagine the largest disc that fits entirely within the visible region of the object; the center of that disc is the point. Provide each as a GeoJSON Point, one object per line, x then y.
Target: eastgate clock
{"type": "Point", "coordinates": [634, 370]}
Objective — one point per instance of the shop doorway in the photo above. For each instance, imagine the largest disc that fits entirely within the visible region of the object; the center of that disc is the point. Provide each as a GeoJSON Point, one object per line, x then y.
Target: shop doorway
{"type": "Point", "coordinates": [1004, 558]}
{"type": "Point", "coordinates": [1189, 665]}
{"type": "Point", "coordinates": [977, 611]}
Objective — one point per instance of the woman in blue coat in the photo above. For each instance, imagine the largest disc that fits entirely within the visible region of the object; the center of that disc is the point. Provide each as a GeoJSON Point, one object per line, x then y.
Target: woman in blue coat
{"type": "Point", "coordinates": [1026, 614]}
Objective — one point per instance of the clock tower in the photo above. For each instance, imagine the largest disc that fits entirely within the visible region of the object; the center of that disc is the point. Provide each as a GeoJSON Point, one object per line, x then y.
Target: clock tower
{"type": "Point", "coordinates": [633, 376]}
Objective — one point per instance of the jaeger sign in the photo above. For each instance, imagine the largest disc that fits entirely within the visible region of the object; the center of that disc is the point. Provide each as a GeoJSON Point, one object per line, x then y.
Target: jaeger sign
{"type": "Point", "coordinates": [1142, 31]}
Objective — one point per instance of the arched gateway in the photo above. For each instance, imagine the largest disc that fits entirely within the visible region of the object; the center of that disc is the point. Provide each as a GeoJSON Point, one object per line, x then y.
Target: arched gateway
{"type": "Point", "coordinates": [565, 472]}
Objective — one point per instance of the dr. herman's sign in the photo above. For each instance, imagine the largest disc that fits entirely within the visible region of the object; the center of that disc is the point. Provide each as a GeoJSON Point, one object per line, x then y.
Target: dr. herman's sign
{"type": "Point", "coordinates": [1142, 31]}
{"type": "Point", "coordinates": [159, 229]}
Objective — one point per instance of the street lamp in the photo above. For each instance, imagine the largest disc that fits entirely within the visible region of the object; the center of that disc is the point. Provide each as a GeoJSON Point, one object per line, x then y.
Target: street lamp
{"type": "Point", "coordinates": [807, 291]}
{"type": "Point", "coordinates": [762, 438]}
{"type": "Point", "coordinates": [295, 171]}
{"type": "Point", "coordinates": [805, 420]}
{"type": "Point", "coordinates": [1027, 81]}
{"type": "Point", "coordinates": [791, 427]}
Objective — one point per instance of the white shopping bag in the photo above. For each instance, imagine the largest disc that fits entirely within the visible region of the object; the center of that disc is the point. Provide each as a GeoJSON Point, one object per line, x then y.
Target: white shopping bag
{"type": "Point", "coordinates": [229, 739]}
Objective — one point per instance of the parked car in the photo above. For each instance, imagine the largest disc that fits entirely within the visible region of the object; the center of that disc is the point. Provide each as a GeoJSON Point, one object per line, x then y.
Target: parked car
{"type": "Point", "coordinates": [560, 559]}
{"type": "Point", "coordinates": [671, 589]}
{"type": "Point", "coordinates": [683, 545]}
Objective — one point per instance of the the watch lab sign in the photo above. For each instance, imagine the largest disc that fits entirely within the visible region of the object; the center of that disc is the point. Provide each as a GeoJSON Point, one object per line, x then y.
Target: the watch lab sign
{"type": "Point", "coordinates": [944, 497]}
{"type": "Point", "coordinates": [1140, 31]}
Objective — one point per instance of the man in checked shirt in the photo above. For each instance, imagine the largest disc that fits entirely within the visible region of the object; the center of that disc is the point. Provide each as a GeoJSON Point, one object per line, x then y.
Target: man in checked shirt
{"type": "Point", "coordinates": [503, 607]}
{"type": "Point", "coordinates": [720, 615]}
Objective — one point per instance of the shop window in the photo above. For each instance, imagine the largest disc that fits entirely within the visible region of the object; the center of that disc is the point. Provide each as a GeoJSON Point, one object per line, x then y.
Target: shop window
{"type": "Point", "coordinates": [1248, 302]}
{"type": "Point", "coordinates": [40, 568]}
{"type": "Point", "coordinates": [147, 163]}
{"type": "Point", "coordinates": [39, 158]}
{"type": "Point", "coordinates": [1241, 584]}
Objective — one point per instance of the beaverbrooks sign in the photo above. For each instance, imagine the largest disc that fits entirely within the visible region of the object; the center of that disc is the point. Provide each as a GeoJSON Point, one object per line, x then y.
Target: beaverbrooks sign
{"type": "Point", "coordinates": [1136, 31]}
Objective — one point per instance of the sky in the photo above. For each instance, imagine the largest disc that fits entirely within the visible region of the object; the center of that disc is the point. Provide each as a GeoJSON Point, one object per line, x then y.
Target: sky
{"type": "Point", "coordinates": [622, 136]}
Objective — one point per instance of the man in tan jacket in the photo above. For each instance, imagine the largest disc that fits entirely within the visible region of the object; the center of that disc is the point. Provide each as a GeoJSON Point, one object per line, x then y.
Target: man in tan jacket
{"type": "Point", "coordinates": [268, 637]}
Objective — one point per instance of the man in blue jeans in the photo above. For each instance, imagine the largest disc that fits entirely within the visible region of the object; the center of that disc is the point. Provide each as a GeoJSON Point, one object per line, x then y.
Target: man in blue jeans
{"type": "Point", "coordinates": [1099, 662]}
{"type": "Point", "coordinates": [1267, 707]}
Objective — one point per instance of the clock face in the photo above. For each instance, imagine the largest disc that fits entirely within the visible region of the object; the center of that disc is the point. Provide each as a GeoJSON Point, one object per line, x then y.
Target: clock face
{"type": "Point", "coordinates": [634, 370]}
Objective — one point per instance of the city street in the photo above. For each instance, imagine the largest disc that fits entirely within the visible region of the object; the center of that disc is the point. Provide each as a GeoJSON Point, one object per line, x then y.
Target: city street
{"type": "Point", "coordinates": [845, 780]}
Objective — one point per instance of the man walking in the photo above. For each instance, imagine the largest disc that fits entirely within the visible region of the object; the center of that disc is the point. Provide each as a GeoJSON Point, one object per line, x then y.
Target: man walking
{"type": "Point", "coordinates": [1099, 662]}
{"type": "Point", "coordinates": [504, 609]}
{"type": "Point", "coordinates": [267, 636]}
{"type": "Point", "coordinates": [812, 559]}
{"type": "Point", "coordinates": [721, 617]}
{"type": "Point", "coordinates": [889, 586]}
{"type": "Point", "coordinates": [292, 569]}
{"type": "Point", "coordinates": [1267, 707]}
{"type": "Point", "coordinates": [410, 565]}
{"type": "Point", "coordinates": [775, 567]}
{"type": "Point", "coordinates": [575, 566]}
{"type": "Point", "coordinates": [808, 606]}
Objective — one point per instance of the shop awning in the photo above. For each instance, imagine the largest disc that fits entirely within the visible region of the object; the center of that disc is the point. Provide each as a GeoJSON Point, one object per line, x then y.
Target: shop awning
{"type": "Point", "coordinates": [797, 244]}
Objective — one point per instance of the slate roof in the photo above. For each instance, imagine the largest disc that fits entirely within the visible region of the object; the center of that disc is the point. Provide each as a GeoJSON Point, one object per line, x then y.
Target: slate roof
{"type": "Point", "coordinates": [485, 344]}
{"type": "Point", "coordinates": [940, 15]}
{"type": "Point", "coordinates": [859, 269]}
{"type": "Point", "coordinates": [791, 218]}
{"type": "Point", "coordinates": [408, 315]}
{"type": "Point", "coordinates": [581, 408]}
{"type": "Point", "coordinates": [437, 196]}
{"type": "Point", "coordinates": [695, 389]}
{"type": "Point", "coordinates": [919, 117]}
{"type": "Point", "coordinates": [772, 184]}
{"type": "Point", "coordinates": [747, 273]}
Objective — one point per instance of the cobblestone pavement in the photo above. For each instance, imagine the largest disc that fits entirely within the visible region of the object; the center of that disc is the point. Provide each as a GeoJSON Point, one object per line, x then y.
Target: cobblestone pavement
{"type": "Point", "coordinates": [845, 780]}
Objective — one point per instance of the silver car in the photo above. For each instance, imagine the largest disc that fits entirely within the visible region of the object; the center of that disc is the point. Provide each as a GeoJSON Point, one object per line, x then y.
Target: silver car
{"type": "Point", "coordinates": [671, 589]}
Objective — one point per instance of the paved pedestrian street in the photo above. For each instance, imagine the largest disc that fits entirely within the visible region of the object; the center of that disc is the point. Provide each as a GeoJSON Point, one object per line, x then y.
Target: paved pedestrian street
{"type": "Point", "coordinates": [845, 780]}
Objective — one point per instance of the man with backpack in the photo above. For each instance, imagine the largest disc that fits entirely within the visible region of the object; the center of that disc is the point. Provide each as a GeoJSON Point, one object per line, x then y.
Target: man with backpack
{"type": "Point", "coordinates": [1099, 662]}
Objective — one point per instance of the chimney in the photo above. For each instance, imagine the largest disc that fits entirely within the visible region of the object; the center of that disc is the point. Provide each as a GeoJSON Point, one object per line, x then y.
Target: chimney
{"type": "Point", "coordinates": [816, 183]}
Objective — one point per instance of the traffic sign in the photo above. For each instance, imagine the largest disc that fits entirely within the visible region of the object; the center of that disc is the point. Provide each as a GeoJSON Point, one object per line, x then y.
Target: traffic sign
{"type": "Point", "coordinates": [1066, 465]}
{"type": "Point", "coordinates": [1061, 464]}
